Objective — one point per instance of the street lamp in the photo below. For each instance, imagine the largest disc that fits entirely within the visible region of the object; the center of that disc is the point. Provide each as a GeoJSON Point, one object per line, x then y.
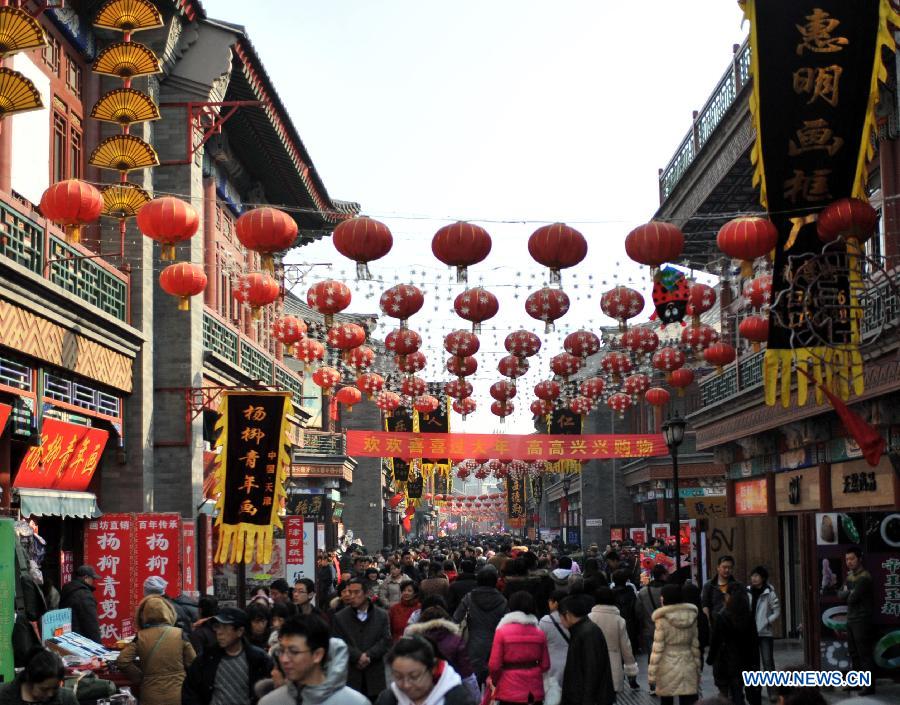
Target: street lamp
{"type": "Point", "coordinates": [673, 432]}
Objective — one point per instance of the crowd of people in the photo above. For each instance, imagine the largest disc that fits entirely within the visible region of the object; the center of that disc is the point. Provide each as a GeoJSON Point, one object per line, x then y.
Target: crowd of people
{"type": "Point", "coordinates": [453, 622]}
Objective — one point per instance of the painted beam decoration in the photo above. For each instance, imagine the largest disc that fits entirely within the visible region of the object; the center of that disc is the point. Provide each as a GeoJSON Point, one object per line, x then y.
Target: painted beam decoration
{"type": "Point", "coordinates": [816, 66]}
{"type": "Point", "coordinates": [253, 456]}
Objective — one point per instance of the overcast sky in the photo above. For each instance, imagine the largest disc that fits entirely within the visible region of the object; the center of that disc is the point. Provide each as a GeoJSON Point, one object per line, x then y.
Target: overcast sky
{"type": "Point", "coordinates": [511, 113]}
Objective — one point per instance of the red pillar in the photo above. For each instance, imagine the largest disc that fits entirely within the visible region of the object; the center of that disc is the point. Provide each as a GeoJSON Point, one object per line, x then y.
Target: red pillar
{"type": "Point", "coordinates": [6, 145]}
{"type": "Point", "coordinates": [210, 295]}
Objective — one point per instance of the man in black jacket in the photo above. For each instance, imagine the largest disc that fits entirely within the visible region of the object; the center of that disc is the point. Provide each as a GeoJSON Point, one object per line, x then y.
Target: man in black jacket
{"type": "Point", "coordinates": [367, 630]}
{"type": "Point", "coordinates": [463, 584]}
{"type": "Point", "coordinates": [78, 595]}
{"type": "Point", "coordinates": [587, 678]}
{"type": "Point", "coordinates": [226, 673]}
{"type": "Point", "coordinates": [712, 598]}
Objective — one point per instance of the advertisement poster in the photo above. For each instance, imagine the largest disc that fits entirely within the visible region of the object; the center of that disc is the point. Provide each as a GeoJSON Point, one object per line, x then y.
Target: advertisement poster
{"type": "Point", "coordinates": [189, 557]}
{"type": "Point", "coordinates": [66, 567]}
{"type": "Point", "coordinates": [660, 531]}
{"type": "Point", "coordinates": [158, 550]}
{"type": "Point", "coordinates": [617, 533]}
{"type": "Point", "coordinates": [262, 574]}
{"type": "Point", "coordinates": [301, 549]}
{"type": "Point", "coordinates": [638, 535]}
{"type": "Point", "coordinates": [108, 547]}
{"type": "Point", "coordinates": [878, 535]}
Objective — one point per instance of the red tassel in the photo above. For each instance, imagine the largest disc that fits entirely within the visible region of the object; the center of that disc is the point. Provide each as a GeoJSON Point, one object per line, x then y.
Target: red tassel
{"type": "Point", "coordinates": [395, 500]}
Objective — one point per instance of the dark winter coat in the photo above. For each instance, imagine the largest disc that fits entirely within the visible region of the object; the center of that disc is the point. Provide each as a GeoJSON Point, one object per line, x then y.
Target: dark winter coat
{"type": "Point", "coordinates": [11, 694]}
{"type": "Point", "coordinates": [79, 597]}
{"type": "Point", "coordinates": [860, 601]}
{"type": "Point", "coordinates": [539, 587]}
{"type": "Point", "coordinates": [483, 608]}
{"type": "Point", "coordinates": [450, 645]}
{"type": "Point", "coordinates": [459, 588]}
{"type": "Point", "coordinates": [712, 598]}
{"type": "Point", "coordinates": [587, 678]}
{"type": "Point", "coordinates": [733, 648]}
{"type": "Point", "coordinates": [201, 675]}
{"type": "Point", "coordinates": [647, 603]}
{"type": "Point", "coordinates": [626, 601]}
{"type": "Point", "coordinates": [372, 637]}
{"type": "Point", "coordinates": [203, 636]}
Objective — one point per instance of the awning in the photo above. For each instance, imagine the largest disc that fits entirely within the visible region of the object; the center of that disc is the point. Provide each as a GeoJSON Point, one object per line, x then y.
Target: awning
{"type": "Point", "coordinates": [58, 503]}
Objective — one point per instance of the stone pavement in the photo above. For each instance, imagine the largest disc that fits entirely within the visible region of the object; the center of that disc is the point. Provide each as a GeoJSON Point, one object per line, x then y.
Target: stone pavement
{"type": "Point", "coordinates": [788, 653]}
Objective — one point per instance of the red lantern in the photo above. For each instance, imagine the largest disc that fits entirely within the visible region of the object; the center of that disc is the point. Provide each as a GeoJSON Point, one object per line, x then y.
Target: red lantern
{"type": "Point", "coordinates": [168, 220]}
{"type": "Point", "coordinates": [522, 343]}
{"type": "Point", "coordinates": [640, 340]}
{"type": "Point", "coordinates": [557, 246]}
{"type": "Point", "coordinates": [256, 290]}
{"type": "Point", "coordinates": [654, 243]}
{"type": "Point", "coordinates": [183, 280]}
{"type": "Point", "coordinates": [622, 304]}
{"type": "Point", "coordinates": [719, 355]}
{"type": "Point", "coordinates": [403, 341]}
{"type": "Point", "coordinates": [636, 384]}
{"type": "Point", "coordinates": [411, 363]}
{"type": "Point", "coordinates": [326, 378]}
{"type": "Point", "coordinates": [565, 365]}
{"type": "Point", "coordinates": [616, 363]}
{"type": "Point", "coordinates": [348, 396]}
{"type": "Point", "coordinates": [461, 343]}
{"type": "Point", "coordinates": [328, 298]}
{"type": "Point", "coordinates": [698, 338]}
{"type": "Point", "coordinates": [539, 407]}
{"type": "Point", "coordinates": [346, 336]}
{"type": "Point", "coordinates": [581, 343]}
{"type": "Point", "coordinates": [387, 401]}
{"type": "Point", "coordinates": [701, 298]}
{"type": "Point", "coordinates": [503, 390]}
{"type": "Point", "coordinates": [619, 403]}
{"type": "Point", "coordinates": [425, 404]}
{"type": "Point", "coordinates": [502, 409]}
{"type": "Point", "coordinates": [461, 245]}
{"type": "Point", "coordinates": [755, 329]}
{"type": "Point", "coordinates": [512, 366]}
{"type": "Point", "coordinates": [309, 351]}
{"type": "Point", "coordinates": [266, 231]}
{"type": "Point", "coordinates": [592, 387]}
{"type": "Point", "coordinates": [461, 472]}
{"type": "Point", "coordinates": [72, 204]}
{"type": "Point", "coordinates": [849, 218]}
{"type": "Point", "coordinates": [681, 378]}
{"type": "Point", "coordinates": [657, 396]}
{"type": "Point", "coordinates": [458, 389]}
{"type": "Point", "coordinates": [288, 330]}
{"type": "Point", "coordinates": [548, 390]}
{"type": "Point", "coordinates": [580, 405]}
{"type": "Point", "coordinates": [370, 383]}
{"type": "Point", "coordinates": [363, 240]}
{"type": "Point", "coordinates": [547, 305]}
{"type": "Point", "coordinates": [462, 366]}
{"type": "Point", "coordinates": [747, 238]}
{"type": "Point", "coordinates": [413, 386]}
{"type": "Point", "coordinates": [402, 301]}
{"type": "Point", "coordinates": [360, 358]}
{"type": "Point", "coordinates": [476, 305]}
{"type": "Point", "coordinates": [758, 291]}
{"type": "Point", "coordinates": [464, 407]}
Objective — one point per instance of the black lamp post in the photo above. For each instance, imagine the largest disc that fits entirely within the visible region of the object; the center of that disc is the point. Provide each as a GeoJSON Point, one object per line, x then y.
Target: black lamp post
{"type": "Point", "coordinates": [673, 431]}
{"type": "Point", "coordinates": [566, 480]}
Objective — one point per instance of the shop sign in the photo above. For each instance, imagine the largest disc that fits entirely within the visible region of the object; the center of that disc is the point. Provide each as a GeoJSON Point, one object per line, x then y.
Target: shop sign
{"type": "Point", "coordinates": [341, 472]}
{"type": "Point", "coordinates": [750, 497]}
{"type": "Point", "coordinates": [300, 550]}
{"type": "Point", "coordinates": [660, 531]}
{"type": "Point", "coordinates": [706, 507]}
{"type": "Point", "coordinates": [189, 557]}
{"type": "Point", "coordinates": [56, 623]}
{"type": "Point", "coordinates": [858, 484]}
{"type": "Point", "coordinates": [797, 490]}
{"type": "Point", "coordinates": [108, 547]}
{"type": "Point", "coordinates": [7, 597]}
{"type": "Point", "coordinates": [158, 550]}
{"type": "Point", "coordinates": [5, 410]}
{"type": "Point", "coordinates": [66, 567]}
{"type": "Point", "coordinates": [638, 535]}
{"type": "Point", "coordinates": [66, 459]}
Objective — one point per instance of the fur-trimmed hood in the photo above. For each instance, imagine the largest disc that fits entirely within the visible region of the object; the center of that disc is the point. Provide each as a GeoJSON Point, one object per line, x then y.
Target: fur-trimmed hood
{"type": "Point", "coordinates": [682, 615]}
{"type": "Point", "coordinates": [422, 627]}
{"type": "Point", "coordinates": [518, 617]}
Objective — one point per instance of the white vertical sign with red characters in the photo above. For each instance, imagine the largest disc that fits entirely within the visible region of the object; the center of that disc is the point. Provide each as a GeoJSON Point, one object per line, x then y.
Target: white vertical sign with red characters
{"type": "Point", "coordinates": [158, 550]}
{"type": "Point", "coordinates": [189, 557]}
{"type": "Point", "coordinates": [300, 547]}
{"type": "Point", "coordinates": [108, 548]}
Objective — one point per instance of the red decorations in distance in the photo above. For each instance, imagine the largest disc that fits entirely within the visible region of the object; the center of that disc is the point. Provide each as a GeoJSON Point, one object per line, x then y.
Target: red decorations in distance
{"type": "Point", "coordinates": [557, 247]}
{"type": "Point", "coordinates": [503, 390]}
{"type": "Point", "coordinates": [328, 298]}
{"type": "Point", "coordinates": [592, 387]}
{"type": "Point", "coordinates": [502, 409]}
{"type": "Point", "coordinates": [701, 298]}
{"type": "Point", "coordinates": [461, 245]}
{"type": "Point", "coordinates": [581, 343]}
{"type": "Point", "coordinates": [548, 390]}
{"type": "Point", "coordinates": [309, 351]}
{"type": "Point", "coordinates": [698, 338]}
{"type": "Point", "coordinates": [462, 366]}
{"type": "Point", "coordinates": [755, 329]}
{"type": "Point", "coordinates": [654, 244]}
{"type": "Point", "coordinates": [414, 362]}
{"type": "Point", "coordinates": [167, 220]}
{"type": "Point", "coordinates": [512, 366]}
{"type": "Point", "coordinates": [849, 218]}
{"type": "Point", "coordinates": [476, 305]}
{"type": "Point", "coordinates": [668, 359]}
{"type": "Point", "coordinates": [370, 383]}
{"type": "Point", "coordinates": [346, 336]}
{"type": "Point", "coordinates": [758, 291]}
{"type": "Point", "coordinates": [413, 386]}
{"type": "Point", "coordinates": [640, 340]}
{"type": "Point", "coordinates": [681, 378]}
{"type": "Point", "coordinates": [539, 407]}
{"type": "Point", "coordinates": [565, 365]}
{"type": "Point", "coordinates": [464, 407]}
{"type": "Point", "coordinates": [719, 355]}
{"type": "Point", "coordinates": [746, 238]}
{"type": "Point", "coordinates": [636, 384]}
{"type": "Point", "coordinates": [264, 230]}
{"type": "Point", "coordinates": [425, 404]}
{"type": "Point", "coordinates": [461, 343]}
{"type": "Point", "coordinates": [547, 305]}
{"type": "Point", "coordinates": [256, 290]}
{"type": "Point", "coordinates": [387, 401]}
{"type": "Point", "coordinates": [363, 240]}
{"type": "Point", "coordinates": [402, 301]}
{"type": "Point", "coordinates": [360, 358]}
{"type": "Point", "coordinates": [348, 396]}
{"type": "Point", "coordinates": [616, 364]}
{"type": "Point", "coordinates": [522, 343]}
{"type": "Point", "coordinates": [184, 280]}
{"type": "Point", "coordinates": [619, 403]}
{"type": "Point", "coordinates": [580, 405]}
{"type": "Point", "coordinates": [657, 396]}
{"type": "Point", "coordinates": [326, 378]}
{"type": "Point", "coordinates": [622, 304]}
{"type": "Point", "coordinates": [72, 204]}
{"type": "Point", "coordinates": [458, 389]}
{"type": "Point", "coordinates": [288, 330]}
{"type": "Point", "coordinates": [403, 341]}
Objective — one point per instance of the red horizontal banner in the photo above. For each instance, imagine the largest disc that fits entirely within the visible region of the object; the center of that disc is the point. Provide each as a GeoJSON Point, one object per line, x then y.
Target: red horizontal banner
{"type": "Point", "coordinates": [66, 458]}
{"type": "Point", "coordinates": [459, 446]}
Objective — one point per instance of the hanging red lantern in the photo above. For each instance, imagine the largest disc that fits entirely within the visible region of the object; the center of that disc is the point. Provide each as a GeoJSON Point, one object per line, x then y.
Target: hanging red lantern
{"type": "Point", "coordinates": [412, 363]}
{"type": "Point", "coordinates": [255, 290]}
{"type": "Point", "coordinates": [402, 301]}
{"type": "Point", "coordinates": [387, 401]}
{"type": "Point", "coordinates": [461, 343]}
{"type": "Point", "coordinates": [512, 366]}
{"type": "Point", "coordinates": [622, 303]}
{"type": "Point", "coordinates": [654, 244]}
{"type": "Point", "coordinates": [403, 341]}
{"type": "Point", "coordinates": [264, 230]}
{"type": "Point", "coordinates": [681, 379]}
{"type": "Point", "coordinates": [619, 403]}
{"type": "Point", "coordinates": [502, 409]}
{"type": "Point", "coordinates": [462, 366]}
{"type": "Point", "coordinates": [698, 338]}
{"type": "Point", "coordinates": [746, 238]}
{"type": "Point", "coordinates": [849, 218]}
{"type": "Point", "coordinates": [413, 386]}
{"type": "Point", "coordinates": [581, 343]}
{"type": "Point", "coordinates": [503, 390]}
{"type": "Point", "coordinates": [184, 280]}
{"type": "Point", "coordinates": [464, 407]}
{"type": "Point", "coordinates": [458, 389]}
{"type": "Point", "coordinates": [557, 247]}
{"type": "Point", "coordinates": [168, 220]}
{"type": "Point", "coordinates": [547, 305]}
{"type": "Point", "coordinates": [592, 387]}
{"type": "Point", "coordinates": [548, 390]}
{"type": "Point", "coordinates": [522, 343]}
{"type": "Point", "coordinates": [288, 330]}
{"type": "Point", "coordinates": [363, 240]}
{"type": "Point", "coordinates": [462, 472]}
{"type": "Point", "coordinates": [476, 305]}
{"type": "Point", "coordinates": [461, 245]}
{"type": "Point", "coordinates": [360, 358]}
{"type": "Point", "coordinates": [657, 396]}
{"type": "Point", "coordinates": [758, 291]}
{"type": "Point", "coordinates": [425, 404]}
{"type": "Point", "coordinates": [345, 336]}
{"type": "Point", "coordinates": [309, 351]}
{"type": "Point", "coordinates": [565, 365]}
{"type": "Point", "coordinates": [498, 469]}
{"type": "Point", "coordinates": [640, 340]}
{"type": "Point", "coordinates": [72, 204]}
{"type": "Point", "coordinates": [328, 298]}
{"type": "Point", "coordinates": [755, 329]}
{"type": "Point", "coordinates": [348, 396]}
{"type": "Point", "coordinates": [701, 298]}
{"type": "Point", "coordinates": [539, 407]}
{"type": "Point", "coordinates": [580, 405]}
{"type": "Point", "coordinates": [719, 355]}
{"type": "Point", "coordinates": [616, 364]}
{"type": "Point", "coordinates": [636, 384]}
{"type": "Point", "coordinates": [326, 378]}
{"type": "Point", "coordinates": [370, 383]}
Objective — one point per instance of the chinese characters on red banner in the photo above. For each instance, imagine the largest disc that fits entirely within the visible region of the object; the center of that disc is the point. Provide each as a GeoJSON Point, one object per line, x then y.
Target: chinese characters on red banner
{"type": "Point", "coordinates": [158, 550]}
{"type": "Point", "coordinates": [107, 547]}
{"type": "Point", "coordinates": [66, 458]}
{"type": "Point", "coordinates": [293, 532]}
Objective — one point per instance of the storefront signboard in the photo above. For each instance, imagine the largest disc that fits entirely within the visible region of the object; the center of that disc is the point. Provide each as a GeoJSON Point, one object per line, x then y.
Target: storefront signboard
{"type": "Point", "coordinates": [108, 547]}
{"type": "Point", "coordinates": [300, 548]}
{"type": "Point", "coordinates": [56, 622]}
{"type": "Point", "coordinates": [660, 531]}
{"type": "Point", "coordinates": [705, 507]}
{"type": "Point", "coordinates": [858, 484]}
{"type": "Point", "coordinates": [189, 557]}
{"type": "Point", "coordinates": [66, 458]}
{"type": "Point", "coordinates": [797, 490]}
{"type": "Point", "coordinates": [638, 535]}
{"type": "Point", "coordinates": [750, 497]}
{"type": "Point", "coordinates": [158, 550]}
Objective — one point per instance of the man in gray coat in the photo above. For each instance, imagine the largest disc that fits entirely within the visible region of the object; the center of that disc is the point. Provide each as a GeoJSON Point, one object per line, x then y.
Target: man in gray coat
{"type": "Point", "coordinates": [366, 630]}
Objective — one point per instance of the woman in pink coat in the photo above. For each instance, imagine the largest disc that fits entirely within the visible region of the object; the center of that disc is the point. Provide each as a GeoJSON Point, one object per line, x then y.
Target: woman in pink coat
{"type": "Point", "coordinates": [519, 656]}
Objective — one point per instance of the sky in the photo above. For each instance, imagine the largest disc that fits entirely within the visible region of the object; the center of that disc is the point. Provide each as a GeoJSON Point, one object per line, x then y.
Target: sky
{"type": "Point", "coordinates": [508, 113]}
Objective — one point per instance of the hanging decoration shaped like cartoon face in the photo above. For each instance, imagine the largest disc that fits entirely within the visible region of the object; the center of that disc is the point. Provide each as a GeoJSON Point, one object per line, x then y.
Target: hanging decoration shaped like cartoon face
{"type": "Point", "coordinates": [670, 296]}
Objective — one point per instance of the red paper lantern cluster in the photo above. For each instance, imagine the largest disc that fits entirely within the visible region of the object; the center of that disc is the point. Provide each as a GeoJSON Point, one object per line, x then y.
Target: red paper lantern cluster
{"type": "Point", "coordinates": [346, 336]}
{"type": "Point", "coordinates": [263, 230]}
{"type": "Point", "coordinates": [565, 365]}
{"type": "Point", "coordinates": [758, 291]}
{"type": "Point", "coordinates": [539, 407]}
{"type": "Point", "coordinates": [328, 298]}
{"type": "Point", "coordinates": [619, 402]}
{"type": "Point", "coordinates": [503, 390]}
{"type": "Point", "coordinates": [522, 343]}
{"type": "Point", "coordinates": [255, 290]}
{"type": "Point", "coordinates": [755, 329]}
{"type": "Point", "coordinates": [657, 396]}
{"type": "Point", "coordinates": [168, 221]}
{"type": "Point", "coordinates": [580, 405]}
{"type": "Point", "coordinates": [387, 401]}
{"type": "Point", "coordinates": [747, 238]}
{"type": "Point", "coordinates": [654, 244]}
{"type": "Point", "coordinates": [547, 305]}
{"type": "Point", "coordinates": [461, 343]}
{"type": "Point", "coordinates": [502, 409]}
{"type": "Point", "coordinates": [412, 363]}
{"type": "Point", "coordinates": [183, 280]}
{"type": "Point", "coordinates": [402, 301]}
{"type": "Point", "coordinates": [581, 343]}
{"type": "Point", "coordinates": [640, 340]}
{"type": "Point", "coordinates": [289, 330]}
{"type": "Point", "coordinates": [464, 406]}
{"type": "Point", "coordinates": [592, 387]}
{"type": "Point", "coordinates": [348, 396]}
{"type": "Point", "coordinates": [476, 305]}
{"type": "Point", "coordinates": [362, 240]}
{"type": "Point", "coordinates": [326, 378]}
{"type": "Point", "coordinates": [413, 386]}
{"type": "Point", "coordinates": [622, 304]}
{"type": "Point", "coordinates": [512, 366]}
{"type": "Point", "coordinates": [698, 338]}
{"type": "Point", "coordinates": [360, 358]}
{"type": "Point", "coordinates": [636, 384]}
{"type": "Point", "coordinates": [849, 218]}
{"type": "Point", "coordinates": [370, 383]}
{"type": "Point", "coordinates": [461, 245]}
{"type": "Point", "coordinates": [458, 389]}
{"type": "Point", "coordinates": [72, 204]}
{"type": "Point", "coordinates": [462, 366]}
{"type": "Point", "coordinates": [309, 351]}
{"type": "Point", "coordinates": [668, 359]}
{"type": "Point", "coordinates": [616, 364]}
{"type": "Point", "coordinates": [425, 404]}
{"type": "Point", "coordinates": [719, 355]}
{"type": "Point", "coordinates": [548, 390]}
{"type": "Point", "coordinates": [403, 341]}
{"type": "Point", "coordinates": [701, 298]}
{"type": "Point", "coordinates": [681, 379]}
{"type": "Point", "coordinates": [557, 247]}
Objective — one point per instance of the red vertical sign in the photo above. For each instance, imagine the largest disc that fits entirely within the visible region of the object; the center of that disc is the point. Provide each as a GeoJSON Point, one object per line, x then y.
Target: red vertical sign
{"type": "Point", "coordinates": [66, 566]}
{"type": "Point", "coordinates": [158, 550]}
{"type": "Point", "coordinates": [293, 533]}
{"type": "Point", "coordinates": [189, 557]}
{"type": "Point", "coordinates": [107, 547]}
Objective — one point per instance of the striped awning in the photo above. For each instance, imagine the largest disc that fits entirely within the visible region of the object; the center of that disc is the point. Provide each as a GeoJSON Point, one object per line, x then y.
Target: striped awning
{"type": "Point", "coordinates": [57, 503]}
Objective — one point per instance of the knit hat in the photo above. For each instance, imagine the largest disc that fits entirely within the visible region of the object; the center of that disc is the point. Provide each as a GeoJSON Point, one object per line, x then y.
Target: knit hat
{"type": "Point", "coordinates": [154, 585]}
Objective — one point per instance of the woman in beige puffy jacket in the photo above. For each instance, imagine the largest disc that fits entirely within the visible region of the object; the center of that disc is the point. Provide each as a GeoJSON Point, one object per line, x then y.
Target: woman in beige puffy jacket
{"type": "Point", "coordinates": [675, 659]}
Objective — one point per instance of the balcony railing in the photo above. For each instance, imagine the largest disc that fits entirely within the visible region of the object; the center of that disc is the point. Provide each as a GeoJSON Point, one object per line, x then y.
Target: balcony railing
{"type": "Point", "coordinates": [706, 121]}
{"type": "Point", "coordinates": [323, 444]}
